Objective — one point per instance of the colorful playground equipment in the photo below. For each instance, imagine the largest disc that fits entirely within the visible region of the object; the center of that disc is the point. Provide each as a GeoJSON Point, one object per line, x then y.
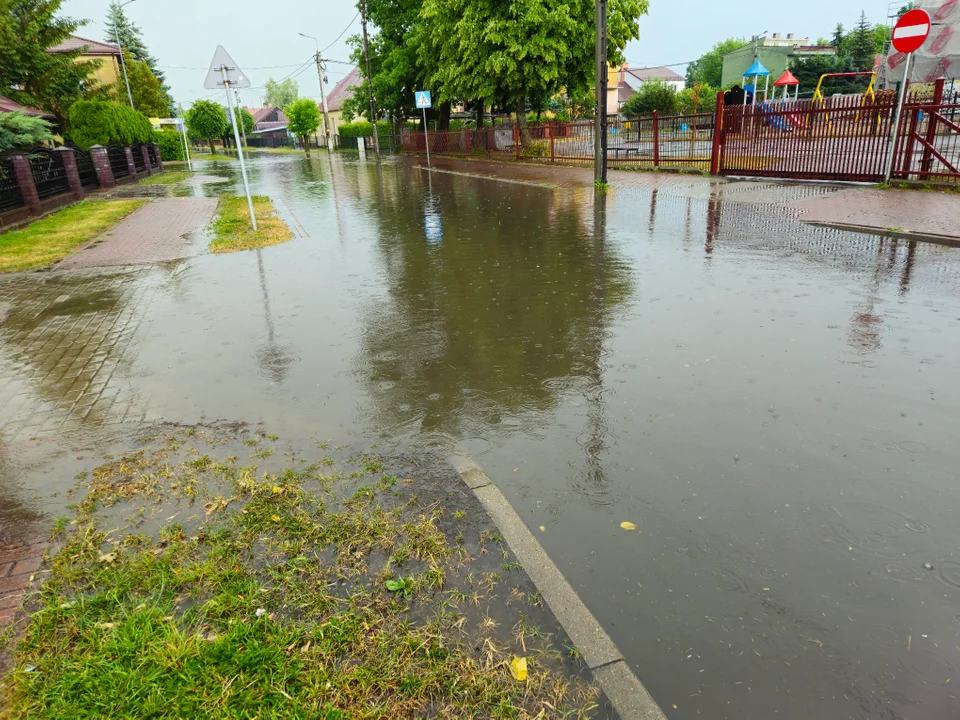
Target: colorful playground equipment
{"type": "Point", "coordinates": [868, 93]}
{"type": "Point", "coordinates": [786, 81]}
{"type": "Point", "coordinates": [755, 71]}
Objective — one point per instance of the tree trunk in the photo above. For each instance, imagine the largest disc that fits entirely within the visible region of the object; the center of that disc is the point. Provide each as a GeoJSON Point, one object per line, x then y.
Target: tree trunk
{"type": "Point", "coordinates": [213, 149]}
{"type": "Point", "coordinates": [443, 121]}
{"type": "Point", "coordinates": [479, 108]}
{"type": "Point", "coordinates": [306, 144]}
{"type": "Point", "coordinates": [522, 120]}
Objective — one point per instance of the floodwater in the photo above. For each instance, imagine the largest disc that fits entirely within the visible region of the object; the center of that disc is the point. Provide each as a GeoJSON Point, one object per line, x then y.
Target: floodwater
{"type": "Point", "coordinates": [775, 406]}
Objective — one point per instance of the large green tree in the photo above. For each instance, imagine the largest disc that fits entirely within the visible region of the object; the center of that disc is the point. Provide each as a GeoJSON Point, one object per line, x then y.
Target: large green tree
{"type": "Point", "coordinates": [708, 68]}
{"type": "Point", "coordinates": [512, 51]}
{"type": "Point", "coordinates": [652, 95]}
{"type": "Point", "coordinates": [303, 119]}
{"type": "Point", "coordinates": [860, 45]}
{"type": "Point", "coordinates": [28, 73]}
{"type": "Point", "coordinates": [131, 40]}
{"type": "Point", "coordinates": [208, 121]}
{"type": "Point", "coordinates": [280, 93]}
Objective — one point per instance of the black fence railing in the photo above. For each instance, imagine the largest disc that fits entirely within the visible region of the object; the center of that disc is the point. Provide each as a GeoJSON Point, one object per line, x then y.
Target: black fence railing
{"type": "Point", "coordinates": [152, 154]}
{"type": "Point", "coordinates": [138, 162]}
{"type": "Point", "coordinates": [10, 196]}
{"type": "Point", "coordinates": [118, 161]}
{"type": "Point", "coordinates": [269, 142]}
{"type": "Point", "coordinates": [49, 174]}
{"type": "Point", "coordinates": [85, 169]}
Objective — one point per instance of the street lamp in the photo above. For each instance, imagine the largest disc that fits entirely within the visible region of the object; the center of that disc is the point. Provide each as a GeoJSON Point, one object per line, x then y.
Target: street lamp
{"type": "Point", "coordinates": [116, 32]}
{"type": "Point", "coordinates": [323, 95]}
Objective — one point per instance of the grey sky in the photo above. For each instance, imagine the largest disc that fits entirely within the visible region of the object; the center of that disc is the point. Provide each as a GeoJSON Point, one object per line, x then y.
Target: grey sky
{"type": "Point", "coordinates": [260, 35]}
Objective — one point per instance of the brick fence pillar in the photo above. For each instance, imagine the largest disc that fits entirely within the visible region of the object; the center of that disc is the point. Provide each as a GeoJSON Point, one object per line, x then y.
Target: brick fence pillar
{"type": "Point", "coordinates": [146, 159]}
{"type": "Point", "coordinates": [156, 151]}
{"type": "Point", "coordinates": [128, 151]}
{"type": "Point", "coordinates": [101, 163]}
{"type": "Point", "coordinates": [73, 175]}
{"type": "Point", "coordinates": [24, 175]}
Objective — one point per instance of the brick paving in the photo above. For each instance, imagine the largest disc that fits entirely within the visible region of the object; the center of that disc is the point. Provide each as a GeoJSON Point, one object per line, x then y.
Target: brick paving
{"type": "Point", "coordinates": [17, 566]}
{"type": "Point", "coordinates": [154, 233]}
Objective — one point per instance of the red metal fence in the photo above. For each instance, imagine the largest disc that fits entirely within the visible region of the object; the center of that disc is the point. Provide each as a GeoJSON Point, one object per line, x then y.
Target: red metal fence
{"type": "Point", "coordinates": [839, 138]}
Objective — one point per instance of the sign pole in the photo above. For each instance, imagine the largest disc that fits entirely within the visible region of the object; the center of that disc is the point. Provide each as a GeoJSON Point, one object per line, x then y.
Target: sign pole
{"type": "Point", "coordinates": [236, 137]}
{"type": "Point", "coordinates": [895, 121]}
{"type": "Point", "coordinates": [426, 137]}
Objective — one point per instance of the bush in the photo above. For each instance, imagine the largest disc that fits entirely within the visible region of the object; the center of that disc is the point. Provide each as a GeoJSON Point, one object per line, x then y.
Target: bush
{"type": "Point", "coordinates": [364, 129]}
{"type": "Point", "coordinates": [536, 149]}
{"type": "Point", "coordinates": [171, 144]}
{"type": "Point", "coordinates": [22, 131]}
{"type": "Point", "coordinates": [652, 95]}
{"type": "Point", "coordinates": [94, 122]}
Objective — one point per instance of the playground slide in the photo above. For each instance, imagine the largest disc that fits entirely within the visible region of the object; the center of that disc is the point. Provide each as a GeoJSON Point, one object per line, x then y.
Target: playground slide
{"type": "Point", "coordinates": [784, 123]}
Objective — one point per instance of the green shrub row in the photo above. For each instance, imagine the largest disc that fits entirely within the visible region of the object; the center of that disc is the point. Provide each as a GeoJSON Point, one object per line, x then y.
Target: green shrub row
{"type": "Point", "coordinates": [363, 129]}
{"type": "Point", "coordinates": [171, 146]}
{"type": "Point", "coordinates": [94, 122]}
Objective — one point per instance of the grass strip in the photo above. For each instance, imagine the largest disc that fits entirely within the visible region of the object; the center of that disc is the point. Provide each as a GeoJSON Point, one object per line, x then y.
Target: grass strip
{"type": "Point", "coordinates": [168, 177]}
{"type": "Point", "coordinates": [233, 231]}
{"type": "Point", "coordinates": [45, 241]}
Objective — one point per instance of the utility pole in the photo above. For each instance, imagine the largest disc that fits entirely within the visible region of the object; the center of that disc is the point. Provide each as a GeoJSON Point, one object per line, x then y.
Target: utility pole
{"type": "Point", "coordinates": [366, 53]}
{"type": "Point", "coordinates": [323, 94]}
{"type": "Point", "coordinates": [116, 33]}
{"type": "Point", "coordinates": [243, 132]}
{"type": "Point", "coordinates": [600, 80]}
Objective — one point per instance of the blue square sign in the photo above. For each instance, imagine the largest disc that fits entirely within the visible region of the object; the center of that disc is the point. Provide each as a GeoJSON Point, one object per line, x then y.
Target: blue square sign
{"type": "Point", "coordinates": [422, 98]}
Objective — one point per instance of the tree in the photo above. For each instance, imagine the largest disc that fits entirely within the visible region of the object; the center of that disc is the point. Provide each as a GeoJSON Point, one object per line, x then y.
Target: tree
{"type": "Point", "coordinates": [119, 25]}
{"type": "Point", "coordinates": [837, 39]}
{"type": "Point", "coordinates": [303, 119]}
{"type": "Point", "coordinates": [207, 120]}
{"type": "Point", "coordinates": [19, 131]}
{"type": "Point", "coordinates": [511, 52]}
{"type": "Point", "coordinates": [694, 99]}
{"type": "Point", "coordinates": [652, 95]}
{"type": "Point", "coordinates": [28, 73]}
{"type": "Point", "coordinates": [280, 94]}
{"type": "Point", "coordinates": [905, 9]}
{"type": "Point", "coordinates": [246, 118]}
{"type": "Point", "coordinates": [145, 87]}
{"type": "Point", "coordinates": [95, 122]}
{"type": "Point", "coordinates": [709, 67]}
{"type": "Point", "coordinates": [860, 45]}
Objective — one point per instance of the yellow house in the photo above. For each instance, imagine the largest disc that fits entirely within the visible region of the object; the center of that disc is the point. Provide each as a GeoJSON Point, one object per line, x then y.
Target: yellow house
{"type": "Point", "coordinates": [109, 56]}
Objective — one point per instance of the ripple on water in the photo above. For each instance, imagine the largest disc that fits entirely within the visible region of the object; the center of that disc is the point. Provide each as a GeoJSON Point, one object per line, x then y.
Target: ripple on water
{"type": "Point", "coordinates": [875, 529]}
{"type": "Point", "coordinates": [948, 573]}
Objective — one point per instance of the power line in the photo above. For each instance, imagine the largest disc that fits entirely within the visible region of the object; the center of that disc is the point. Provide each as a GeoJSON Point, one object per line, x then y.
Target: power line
{"type": "Point", "coordinates": [341, 34]}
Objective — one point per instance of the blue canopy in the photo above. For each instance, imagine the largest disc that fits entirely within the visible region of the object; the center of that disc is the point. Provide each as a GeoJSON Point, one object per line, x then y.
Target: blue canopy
{"type": "Point", "coordinates": [756, 69]}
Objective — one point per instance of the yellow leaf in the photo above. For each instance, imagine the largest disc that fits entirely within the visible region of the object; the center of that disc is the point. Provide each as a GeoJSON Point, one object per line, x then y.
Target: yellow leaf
{"type": "Point", "coordinates": [108, 558]}
{"type": "Point", "coordinates": [627, 525]}
{"type": "Point", "coordinates": [107, 626]}
{"type": "Point", "coordinates": [542, 529]}
{"type": "Point", "coordinates": [518, 668]}
{"type": "Point", "coordinates": [277, 489]}
{"type": "Point", "coordinates": [275, 518]}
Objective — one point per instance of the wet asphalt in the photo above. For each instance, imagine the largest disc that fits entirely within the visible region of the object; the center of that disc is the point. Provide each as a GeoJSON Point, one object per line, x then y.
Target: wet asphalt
{"type": "Point", "coordinates": [773, 405]}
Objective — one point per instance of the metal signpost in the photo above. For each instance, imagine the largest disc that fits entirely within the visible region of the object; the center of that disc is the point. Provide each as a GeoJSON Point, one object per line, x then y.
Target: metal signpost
{"type": "Point", "coordinates": [224, 73]}
{"type": "Point", "coordinates": [424, 103]}
{"type": "Point", "coordinates": [181, 131]}
{"type": "Point", "coordinates": [909, 34]}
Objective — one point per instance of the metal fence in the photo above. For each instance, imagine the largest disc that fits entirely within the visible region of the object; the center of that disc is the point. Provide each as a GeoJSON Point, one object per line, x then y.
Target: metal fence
{"type": "Point", "coordinates": [152, 155]}
{"type": "Point", "coordinates": [49, 174]}
{"type": "Point", "coordinates": [270, 142]}
{"type": "Point", "coordinates": [138, 163]}
{"type": "Point", "coordinates": [118, 161]}
{"type": "Point", "coordinates": [85, 169]}
{"type": "Point", "coordinates": [10, 196]}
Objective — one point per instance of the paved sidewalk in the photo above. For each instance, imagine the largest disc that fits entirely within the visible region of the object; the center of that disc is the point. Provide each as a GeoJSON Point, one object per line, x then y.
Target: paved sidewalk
{"type": "Point", "coordinates": [17, 565]}
{"type": "Point", "coordinates": [154, 233]}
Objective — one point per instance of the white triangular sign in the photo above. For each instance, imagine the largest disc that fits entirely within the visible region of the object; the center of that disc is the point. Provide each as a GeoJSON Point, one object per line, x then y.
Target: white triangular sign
{"type": "Point", "coordinates": [221, 60]}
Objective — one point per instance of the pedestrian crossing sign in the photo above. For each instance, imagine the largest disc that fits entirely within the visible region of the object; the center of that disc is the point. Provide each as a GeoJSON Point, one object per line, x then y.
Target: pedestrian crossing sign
{"type": "Point", "coordinates": [422, 98]}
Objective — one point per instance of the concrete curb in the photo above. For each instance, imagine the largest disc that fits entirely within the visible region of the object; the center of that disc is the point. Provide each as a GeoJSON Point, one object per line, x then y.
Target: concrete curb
{"type": "Point", "coordinates": [627, 694]}
{"type": "Point", "coordinates": [900, 234]}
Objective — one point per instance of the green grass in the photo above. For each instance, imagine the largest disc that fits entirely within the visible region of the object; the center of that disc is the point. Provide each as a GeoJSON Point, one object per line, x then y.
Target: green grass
{"type": "Point", "coordinates": [45, 241]}
{"type": "Point", "coordinates": [233, 231]}
{"type": "Point", "coordinates": [166, 178]}
{"type": "Point", "coordinates": [270, 603]}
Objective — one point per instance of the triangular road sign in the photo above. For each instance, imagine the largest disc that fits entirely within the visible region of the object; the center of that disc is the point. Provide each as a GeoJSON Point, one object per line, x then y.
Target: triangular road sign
{"type": "Point", "coordinates": [222, 59]}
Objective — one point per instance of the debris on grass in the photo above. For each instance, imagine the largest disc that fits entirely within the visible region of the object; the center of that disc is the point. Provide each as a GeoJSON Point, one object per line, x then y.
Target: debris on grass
{"type": "Point", "coordinates": [233, 231]}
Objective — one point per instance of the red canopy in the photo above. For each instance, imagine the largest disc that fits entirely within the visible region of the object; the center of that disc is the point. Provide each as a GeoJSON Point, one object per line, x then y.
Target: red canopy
{"type": "Point", "coordinates": [786, 79]}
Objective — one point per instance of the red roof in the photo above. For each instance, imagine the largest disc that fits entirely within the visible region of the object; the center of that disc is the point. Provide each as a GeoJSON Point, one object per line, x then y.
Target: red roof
{"type": "Point", "coordinates": [86, 47]}
{"type": "Point", "coordinates": [343, 90]}
{"type": "Point", "coordinates": [786, 79]}
{"type": "Point", "coordinates": [8, 105]}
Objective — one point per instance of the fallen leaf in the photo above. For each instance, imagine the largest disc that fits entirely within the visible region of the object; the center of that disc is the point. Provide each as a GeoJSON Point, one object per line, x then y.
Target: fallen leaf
{"type": "Point", "coordinates": [107, 626]}
{"type": "Point", "coordinates": [518, 668]}
{"type": "Point", "coordinates": [542, 529]}
{"type": "Point", "coordinates": [275, 518]}
{"type": "Point", "coordinates": [108, 558]}
{"type": "Point", "coordinates": [627, 525]}
{"type": "Point", "coordinates": [277, 489]}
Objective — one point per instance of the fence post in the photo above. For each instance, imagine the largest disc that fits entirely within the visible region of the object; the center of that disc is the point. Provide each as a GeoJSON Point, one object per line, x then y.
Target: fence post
{"type": "Point", "coordinates": [24, 175]}
{"type": "Point", "coordinates": [131, 167]}
{"type": "Point", "coordinates": [156, 151]}
{"type": "Point", "coordinates": [656, 140]}
{"type": "Point", "coordinates": [146, 159]}
{"type": "Point", "coordinates": [553, 154]}
{"type": "Point", "coordinates": [70, 169]}
{"type": "Point", "coordinates": [516, 138]}
{"type": "Point", "coordinates": [101, 163]}
{"type": "Point", "coordinates": [717, 136]}
{"type": "Point", "coordinates": [932, 125]}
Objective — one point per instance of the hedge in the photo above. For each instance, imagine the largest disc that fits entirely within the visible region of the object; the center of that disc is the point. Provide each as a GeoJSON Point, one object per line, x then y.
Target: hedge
{"type": "Point", "coordinates": [171, 144]}
{"type": "Point", "coordinates": [363, 129]}
{"type": "Point", "coordinates": [94, 122]}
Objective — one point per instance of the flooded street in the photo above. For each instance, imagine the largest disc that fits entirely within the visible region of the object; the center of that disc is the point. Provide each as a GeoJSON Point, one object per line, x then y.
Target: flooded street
{"type": "Point", "coordinates": [774, 405]}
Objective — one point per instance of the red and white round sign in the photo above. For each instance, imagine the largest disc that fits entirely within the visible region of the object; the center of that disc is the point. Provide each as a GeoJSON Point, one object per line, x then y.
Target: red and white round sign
{"type": "Point", "coordinates": [911, 31]}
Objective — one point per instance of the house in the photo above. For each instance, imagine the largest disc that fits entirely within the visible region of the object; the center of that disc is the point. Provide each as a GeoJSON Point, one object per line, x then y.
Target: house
{"type": "Point", "coordinates": [623, 82]}
{"type": "Point", "coordinates": [341, 92]}
{"type": "Point", "coordinates": [775, 53]}
{"type": "Point", "coordinates": [268, 121]}
{"type": "Point", "coordinates": [109, 56]}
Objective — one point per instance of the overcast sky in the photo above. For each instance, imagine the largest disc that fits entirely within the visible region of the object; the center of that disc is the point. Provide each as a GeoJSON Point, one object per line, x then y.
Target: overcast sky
{"type": "Point", "coordinates": [260, 36]}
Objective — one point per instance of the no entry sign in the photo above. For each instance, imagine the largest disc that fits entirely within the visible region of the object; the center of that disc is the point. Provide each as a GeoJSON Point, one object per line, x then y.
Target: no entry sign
{"type": "Point", "coordinates": [911, 31]}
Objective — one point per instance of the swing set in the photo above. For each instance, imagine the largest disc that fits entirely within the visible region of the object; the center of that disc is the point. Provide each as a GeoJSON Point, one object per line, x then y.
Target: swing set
{"type": "Point", "coordinates": [868, 93]}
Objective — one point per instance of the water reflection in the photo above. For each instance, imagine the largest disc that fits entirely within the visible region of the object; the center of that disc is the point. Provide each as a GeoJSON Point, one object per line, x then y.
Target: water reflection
{"type": "Point", "coordinates": [497, 320]}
